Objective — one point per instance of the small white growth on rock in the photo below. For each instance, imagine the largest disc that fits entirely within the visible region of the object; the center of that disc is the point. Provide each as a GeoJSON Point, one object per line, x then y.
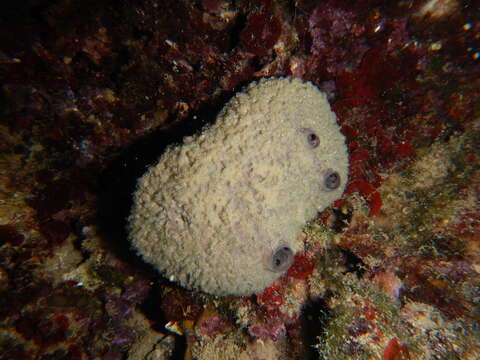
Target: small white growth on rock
{"type": "Point", "coordinates": [438, 9]}
{"type": "Point", "coordinates": [221, 212]}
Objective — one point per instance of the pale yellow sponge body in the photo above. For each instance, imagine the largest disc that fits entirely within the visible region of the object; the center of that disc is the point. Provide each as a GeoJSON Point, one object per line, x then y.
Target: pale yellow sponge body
{"type": "Point", "coordinates": [222, 212]}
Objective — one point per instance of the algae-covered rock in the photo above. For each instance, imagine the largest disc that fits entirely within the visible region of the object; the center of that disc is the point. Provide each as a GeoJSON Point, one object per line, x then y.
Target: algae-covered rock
{"type": "Point", "coordinates": [221, 212]}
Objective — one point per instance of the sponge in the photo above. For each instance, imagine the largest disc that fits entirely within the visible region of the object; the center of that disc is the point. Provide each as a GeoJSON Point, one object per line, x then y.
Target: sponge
{"type": "Point", "coordinates": [222, 211]}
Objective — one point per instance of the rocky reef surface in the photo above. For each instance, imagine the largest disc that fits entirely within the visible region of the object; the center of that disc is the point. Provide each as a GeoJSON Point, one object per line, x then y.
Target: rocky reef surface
{"type": "Point", "coordinates": [92, 92]}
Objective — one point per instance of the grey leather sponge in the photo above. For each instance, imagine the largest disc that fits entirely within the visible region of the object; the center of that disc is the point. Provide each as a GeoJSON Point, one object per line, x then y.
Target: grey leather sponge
{"type": "Point", "coordinates": [222, 211]}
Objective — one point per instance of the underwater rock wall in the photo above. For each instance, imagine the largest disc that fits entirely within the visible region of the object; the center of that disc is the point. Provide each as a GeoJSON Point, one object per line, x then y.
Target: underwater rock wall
{"type": "Point", "coordinates": [92, 91]}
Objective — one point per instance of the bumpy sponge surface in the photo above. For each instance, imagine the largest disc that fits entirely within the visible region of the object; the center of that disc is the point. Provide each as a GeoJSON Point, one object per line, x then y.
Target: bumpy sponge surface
{"type": "Point", "coordinates": [222, 211]}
